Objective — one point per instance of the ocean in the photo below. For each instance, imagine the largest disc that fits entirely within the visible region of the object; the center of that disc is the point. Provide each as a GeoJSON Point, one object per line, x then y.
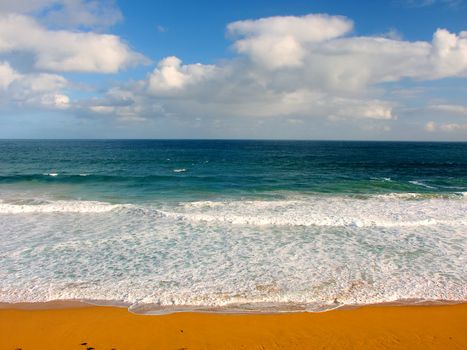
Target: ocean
{"type": "Point", "coordinates": [168, 225]}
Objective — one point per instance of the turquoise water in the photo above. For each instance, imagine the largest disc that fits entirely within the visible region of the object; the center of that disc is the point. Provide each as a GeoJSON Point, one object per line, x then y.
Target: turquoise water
{"type": "Point", "coordinates": [162, 225]}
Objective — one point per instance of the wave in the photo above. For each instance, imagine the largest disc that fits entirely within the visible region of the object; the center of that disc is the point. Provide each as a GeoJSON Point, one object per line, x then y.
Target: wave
{"type": "Point", "coordinates": [58, 207]}
{"type": "Point", "coordinates": [79, 178]}
{"type": "Point", "coordinates": [420, 196]}
{"type": "Point", "coordinates": [321, 252]}
{"type": "Point", "coordinates": [389, 210]}
{"type": "Point", "coordinates": [422, 184]}
{"type": "Point", "coordinates": [387, 179]}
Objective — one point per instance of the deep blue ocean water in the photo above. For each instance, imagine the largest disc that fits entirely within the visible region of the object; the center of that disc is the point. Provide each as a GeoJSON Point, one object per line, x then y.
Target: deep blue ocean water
{"type": "Point", "coordinates": [232, 224]}
{"type": "Point", "coordinates": [140, 171]}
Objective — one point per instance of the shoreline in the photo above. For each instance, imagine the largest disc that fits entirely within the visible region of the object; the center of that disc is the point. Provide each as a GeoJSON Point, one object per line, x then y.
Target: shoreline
{"type": "Point", "coordinates": [229, 309]}
{"type": "Point", "coordinates": [105, 327]}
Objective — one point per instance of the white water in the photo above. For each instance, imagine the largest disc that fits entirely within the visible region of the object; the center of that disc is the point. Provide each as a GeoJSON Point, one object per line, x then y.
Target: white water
{"type": "Point", "coordinates": [315, 251]}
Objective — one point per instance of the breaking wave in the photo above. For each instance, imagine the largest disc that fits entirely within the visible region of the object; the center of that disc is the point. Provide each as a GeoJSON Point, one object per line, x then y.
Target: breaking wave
{"type": "Point", "coordinates": [389, 210]}
{"type": "Point", "coordinates": [299, 253]}
{"type": "Point", "coordinates": [57, 207]}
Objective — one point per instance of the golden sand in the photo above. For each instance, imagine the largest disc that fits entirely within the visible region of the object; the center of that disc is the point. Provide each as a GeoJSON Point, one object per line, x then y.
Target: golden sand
{"type": "Point", "coordinates": [373, 327]}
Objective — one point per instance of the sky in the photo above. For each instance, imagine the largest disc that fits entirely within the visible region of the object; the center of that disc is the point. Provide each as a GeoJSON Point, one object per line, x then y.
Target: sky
{"type": "Point", "coordinates": [265, 69]}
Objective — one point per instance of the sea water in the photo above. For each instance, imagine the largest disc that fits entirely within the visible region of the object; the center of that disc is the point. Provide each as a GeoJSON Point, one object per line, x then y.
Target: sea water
{"type": "Point", "coordinates": [232, 225]}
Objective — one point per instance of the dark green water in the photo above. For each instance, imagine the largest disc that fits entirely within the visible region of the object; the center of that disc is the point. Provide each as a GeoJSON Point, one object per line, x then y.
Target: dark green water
{"type": "Point", "coordinates": [141, 171]}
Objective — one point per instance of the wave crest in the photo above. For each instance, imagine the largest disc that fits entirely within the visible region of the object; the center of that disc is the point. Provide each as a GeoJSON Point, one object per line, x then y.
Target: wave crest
{"type": "Point", "coordinates": [58, 207]}
{"type": "Point", "coordinates": [378, 211]}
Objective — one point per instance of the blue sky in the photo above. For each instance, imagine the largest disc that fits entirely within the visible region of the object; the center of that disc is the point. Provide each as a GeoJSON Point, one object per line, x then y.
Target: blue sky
{"type": "Point", "coordinates": [383, 70]}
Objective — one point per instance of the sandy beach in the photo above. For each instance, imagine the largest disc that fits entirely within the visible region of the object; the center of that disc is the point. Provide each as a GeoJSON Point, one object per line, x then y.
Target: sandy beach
{"type": "Point", "coordinates": [371, 327]}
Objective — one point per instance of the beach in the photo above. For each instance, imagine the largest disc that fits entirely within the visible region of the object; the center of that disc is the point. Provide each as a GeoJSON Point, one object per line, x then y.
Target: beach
{"type": "Point", "coordinates": [371, 327]}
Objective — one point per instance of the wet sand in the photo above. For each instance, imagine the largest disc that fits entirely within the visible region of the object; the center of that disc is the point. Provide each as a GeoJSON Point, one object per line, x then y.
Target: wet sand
{"type": "Point", "coordinates": [95, 327]}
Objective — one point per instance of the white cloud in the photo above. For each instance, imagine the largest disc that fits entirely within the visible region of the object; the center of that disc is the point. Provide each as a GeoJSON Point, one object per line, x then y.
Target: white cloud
{"type": "Point", "coordinates": [430, 126]}
{"type": "Point", "coordinates": [24, 6]}
{"type": "Point", "coordinates": [41, 90]}
{"type": "Point", "coordinates": [299, 67]}
{"type": "Point", "coordinates": [312, 48]}
{"type": "Point", "coordinates": [306, 71]}
{"type": "Point", "coordinates": [323, 76]}
{"type": "Point", "coordinates": [425, 3]}
{"type": "Point", "coordinates": [449, 53]}
{"type": "Point", "coordinates": [88, 13]}
{"type": "Point", "coordinates": [67, 13]}
{"type": "Point", "coordinates": [60, 50]}
{"type": "Point", "coordinates": [170, 75]}
{"type": "Point", "coordinates": [130, 104]}
{"type": "Point", "coordinates": [356, 62]}
{"type": "Point", "coordinates": [364, 109]}
{"type": "Point", "coordinates": [41, 82]}
{"type": "Point", "coordinates": [446, 127]}
{"type": "Point", "coordinates": [7, 75]}
{"type": "Point", "coordinates": [393, 34]}
{"type": "Point", "coordinates": [455, 109]}
{"type": "Point", "coordinates": [276, 42]}
{"type": "Point", "coordinates": [453, 127]}
{"type": "Point", "coordinates": [59, 101]}
{"type": "Point", "coordinates": [102, 109]}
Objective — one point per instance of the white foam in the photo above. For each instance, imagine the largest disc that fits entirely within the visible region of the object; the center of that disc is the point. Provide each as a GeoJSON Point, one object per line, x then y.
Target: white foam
{"type": "Point", "coordinates": [254, 252]}
{"type": "Point", "coordinates": [380, 211]}
{"type": "Point", "coordinates": [419, 196]}
{"type": "Point", "coordinates": [51, 174]}
{"type": "Point", "coordinates": [419, 183]}
{"type": "Point", "coordinates": [388, 179]}
{"type": "Point", "coordinates": [58, 207]}
{"type": "Point", "coordinates": [182, 170]}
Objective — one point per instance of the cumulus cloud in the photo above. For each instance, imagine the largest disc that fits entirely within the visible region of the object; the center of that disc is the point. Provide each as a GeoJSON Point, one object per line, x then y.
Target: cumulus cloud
{"type": "Point", "coordinates": [307, 65]}
{"type": "Point", "coordinates": [7, 75]}
{"type": "Point", "coordinates": [276, 42]}
{"type": "Point", "coordinates": [311, 51]}
{"type": "Point", "coordinates": [171, 75]}
{"type": "Point", "coordinates": [296, 68]}
{"type": "Point", "coordinates": [126, 104]}
{"type": "Point", "coordinates": [314, 47]}
{"type": "Point", "coordinates": [449, 54]}
{"type": "Point", "coordinates": [40, 82]}
{"type": "Point", "coordinates": [40, 90]}
{"type": "Point", "coordinates": [59, 101]}
{"type": "Point", "coordinates": [60, 50]}
{"type": "Point", "coordinates": [292, 68]}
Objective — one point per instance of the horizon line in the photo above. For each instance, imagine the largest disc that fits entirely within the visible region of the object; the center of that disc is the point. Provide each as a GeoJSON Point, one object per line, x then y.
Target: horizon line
{"type": "Point", "coordinates": [226, 139]}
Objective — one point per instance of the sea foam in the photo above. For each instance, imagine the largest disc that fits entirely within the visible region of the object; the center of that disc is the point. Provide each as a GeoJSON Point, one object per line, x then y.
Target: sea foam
{"type": "Point", "coordinates": [298, 253]}
{"type": "Point", "coordinates": [58, 207]}
{"type": "Point", "coordinates": [377, 211]}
